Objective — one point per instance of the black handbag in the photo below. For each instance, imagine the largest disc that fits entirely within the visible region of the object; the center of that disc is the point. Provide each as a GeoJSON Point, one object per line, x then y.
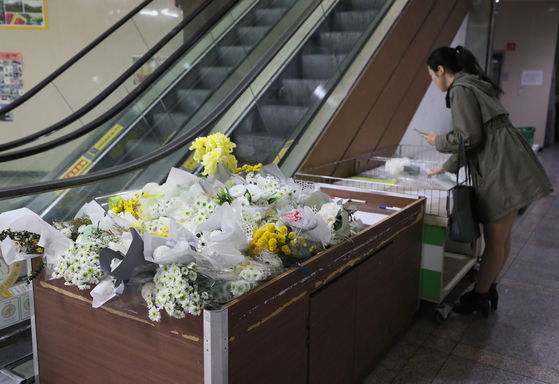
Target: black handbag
{"type": "Point", "coordinates": [463, 222]}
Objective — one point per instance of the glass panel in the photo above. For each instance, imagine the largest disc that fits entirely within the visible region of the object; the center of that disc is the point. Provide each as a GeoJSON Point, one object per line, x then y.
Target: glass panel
{"type": "Point", "coordinates": [291, 97]}
{"type": "Point", "coordinates": [167, 109]}
{"type": "Point", "coordinates": [96, 70]}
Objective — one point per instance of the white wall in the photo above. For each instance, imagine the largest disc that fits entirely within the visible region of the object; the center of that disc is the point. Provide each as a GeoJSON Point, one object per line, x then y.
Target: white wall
{"type": "Point", "coordinates": [532, 25]}
{"type": "Point", "coordinates": [432, 113]}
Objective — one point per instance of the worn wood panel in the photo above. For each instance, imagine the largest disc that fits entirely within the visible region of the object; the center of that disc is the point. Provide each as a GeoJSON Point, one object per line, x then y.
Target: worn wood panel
{"type": "Point", "coordinates": [257, 307]}
{"type": "Point", "coordinates": [409, 104]}
{"type": "Point", "coordinates": [372, 313]}
{"type": "Point", "coordinates": [77, 343]}
{"type": "Point", "coordinates": [332, 331]}
{"type": "Point", "coordinates": [338, 135]}
{"type": "Point", "coordinates": [399, 83]}
{"type": "Point", "coordinates": [274, 352]}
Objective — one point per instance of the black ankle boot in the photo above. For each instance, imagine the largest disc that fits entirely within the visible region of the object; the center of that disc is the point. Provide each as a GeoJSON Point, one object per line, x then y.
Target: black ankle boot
{"type": "Point", "coordinates": [493, 296]}
{"type": "Point", "coordinates": [473, 301]}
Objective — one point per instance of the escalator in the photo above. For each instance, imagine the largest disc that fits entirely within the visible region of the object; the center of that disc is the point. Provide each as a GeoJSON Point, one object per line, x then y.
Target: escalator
{"type": "Point", "coordinates": [264, 77]}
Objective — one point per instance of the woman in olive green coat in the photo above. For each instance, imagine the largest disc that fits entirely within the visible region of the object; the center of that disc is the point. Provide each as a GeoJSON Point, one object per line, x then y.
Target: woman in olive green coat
{"type": "Point", "coordinates": [505, 172]}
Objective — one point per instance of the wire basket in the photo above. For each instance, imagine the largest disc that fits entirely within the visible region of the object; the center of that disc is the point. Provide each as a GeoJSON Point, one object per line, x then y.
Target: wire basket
{"type": "Point", "coordinates": [367, 172]}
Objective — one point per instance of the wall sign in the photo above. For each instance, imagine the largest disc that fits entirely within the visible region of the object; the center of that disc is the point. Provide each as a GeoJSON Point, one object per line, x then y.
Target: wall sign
{"type": "Point", "coordinates": [11, 80]}
{"type": "Point", "coordinates": [31, 14]}
{"type": "Point", "coordinates": [511, 46]}
{"type": "Point", "coordinates": [532, 77]}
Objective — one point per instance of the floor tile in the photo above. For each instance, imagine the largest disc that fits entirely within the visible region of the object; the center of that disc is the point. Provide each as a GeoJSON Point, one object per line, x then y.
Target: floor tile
{"type": "Point", "coordinates": [515, 337]}
{"type": "Point", "coordinates": [546, 232]}
{"type": "Point", "coordinates": [422, 367]}
{"type": "Point", "coordinates": [458, 370]}
{"type": "Point", "coordinates": [382, 374]}
{"type": "Point", "coordinates": [399, 355]}
{"type": "Point", "coordinates": [546, 205]}
{"type": "Point", "coordinates": [534, 272]}
{"type": "Point", "coordinates": [455, 328]}
{"type": "Point", "coordinates": [439, 343]}
{"type": "Point", "coordinates": [540, 252]}
{"type": "Point", "coordinates": [527, 226]}
{"type": "Point", "coordinates": [510, 364]}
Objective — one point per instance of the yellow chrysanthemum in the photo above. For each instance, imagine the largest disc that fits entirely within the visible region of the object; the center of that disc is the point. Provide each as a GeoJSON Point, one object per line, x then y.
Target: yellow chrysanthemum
{"type": "Point", "coordinates": [270, 227]}
{"type": "Point", "coordinates": [272, 242]}
{"type": "Point", "coordinates": [281, 239]}
{"type": "Point", "coordinates": [291, 235]}
{"type": "Point", "coordinates": [285, 249]}
{"type": "Point", "coordinates": [283, 230]}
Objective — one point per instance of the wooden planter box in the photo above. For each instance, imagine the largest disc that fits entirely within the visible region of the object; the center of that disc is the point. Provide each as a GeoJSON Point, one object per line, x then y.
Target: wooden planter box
{"type": "Point", "coordinates": [328, 322]}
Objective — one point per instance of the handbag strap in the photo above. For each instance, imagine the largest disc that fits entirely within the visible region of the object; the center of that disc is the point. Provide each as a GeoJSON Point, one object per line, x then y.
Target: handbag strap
{"type": "Point", "coordinates": [462, 155]}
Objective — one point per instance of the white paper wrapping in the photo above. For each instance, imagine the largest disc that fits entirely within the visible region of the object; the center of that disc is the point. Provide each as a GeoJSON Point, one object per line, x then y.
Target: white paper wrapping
{"type": "Point", "coordinates": [52, 241]}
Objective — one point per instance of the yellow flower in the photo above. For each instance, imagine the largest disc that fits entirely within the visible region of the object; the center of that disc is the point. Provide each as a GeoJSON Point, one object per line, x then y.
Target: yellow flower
{"type": "Point", "coordinates": [285, 249]}
{"type": "Point", "coordinates": [281, 239]}
{"type": "Point", "coordinates": [39, 249]}
{"type": "Point", "coordinates": [291, 235]}
{"type": "Point", "coordinates": [272, 242]}
{"type": "Point", "coordinates": [272, 248]}
{"type": "Point", "coordinates": [283, 230]}
{"type": "Point", "coordinates": [270, 227]}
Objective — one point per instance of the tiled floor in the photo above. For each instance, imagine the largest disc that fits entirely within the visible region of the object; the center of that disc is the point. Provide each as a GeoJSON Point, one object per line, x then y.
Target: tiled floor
{"type": "Point", "coordinates": [519, 343]}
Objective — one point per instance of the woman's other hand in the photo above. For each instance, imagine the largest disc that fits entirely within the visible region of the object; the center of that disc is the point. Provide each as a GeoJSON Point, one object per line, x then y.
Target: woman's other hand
{"type": "Point", "coordinates": [429, 137]}
{"type": "Point", "coordinates": [436, 171]}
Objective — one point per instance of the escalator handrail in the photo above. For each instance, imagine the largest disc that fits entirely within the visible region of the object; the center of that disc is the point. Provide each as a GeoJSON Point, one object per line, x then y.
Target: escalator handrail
{"type": "Point", "coordinates": [101, 96]}
{"type": "Point", "coordinates": [20, 100]}
{"type": "Point", "coordinates": [128, 99]}
{"type": "Point", "coordinates": [168, 149]}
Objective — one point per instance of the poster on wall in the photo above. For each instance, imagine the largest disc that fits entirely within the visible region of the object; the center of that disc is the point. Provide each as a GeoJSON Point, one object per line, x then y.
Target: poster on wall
{"type": "Point", "coordinates": [11, 80]}
{"type": "Point", "coordinates": [30, 14]}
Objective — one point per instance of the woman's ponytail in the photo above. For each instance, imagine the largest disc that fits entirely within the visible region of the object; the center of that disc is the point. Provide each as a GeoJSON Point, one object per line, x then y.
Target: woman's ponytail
{"type": "Point", "coordinates": [459, 59]}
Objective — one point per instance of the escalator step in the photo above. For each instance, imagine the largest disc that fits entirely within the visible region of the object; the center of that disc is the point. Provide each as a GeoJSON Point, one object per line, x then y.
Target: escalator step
{"type": "Point", "coordinates": [251, 35]}
{"type": "Point", "coordinates": [232, 55]}
{"type": "Point", "coordinates": [359, 5]}
{"type": "Point", "coordinates": [341, 42]}
{"type": "Point", "coordinates": [191, 99]}
{"type": "Point", "coordinates": [281, 120]}
{"type": "Point", "coordinates": [268, 17]}
{"type": "Point", "coordinates": [283, 3]}
{"type": "Point", "coordinates": [320, 66]}
{"type": "Point", "coordinates": [212, 77]}
{"type": "Point", "coordinates": [301, 92]}
{"type": "Point", "coordinates": [354, 21]}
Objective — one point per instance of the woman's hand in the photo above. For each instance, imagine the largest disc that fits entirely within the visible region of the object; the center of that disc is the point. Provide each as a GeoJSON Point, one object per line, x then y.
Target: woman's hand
{"type": "Point", "coordinates": [436, 171]}
{"type": "Point", "coordinates": [429, 137]}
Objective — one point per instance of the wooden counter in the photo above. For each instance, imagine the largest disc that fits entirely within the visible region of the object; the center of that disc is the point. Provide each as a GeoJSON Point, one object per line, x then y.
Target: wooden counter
{"type": "Point", "coordinates": [329, 322]}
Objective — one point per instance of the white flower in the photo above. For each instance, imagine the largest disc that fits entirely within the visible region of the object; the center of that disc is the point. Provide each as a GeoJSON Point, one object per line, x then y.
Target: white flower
{"type": "Point", "coordinates": [154, 314]}
{"type": "Point", "coordinates": [254, 191]}
{"type": "Point", "coordinates": [66, 232]}
{"type": "Point", "coordinates": [244, 201]}
{"type": "Point", "coordinates": [329, 212]}
{"type": "Point", "coordinates": [147, 292]}
{"type": "Point", "coordinates": [238, 191]}
{"type": "Point", "coordinates": [217, 232]}
{"type": "Point", "coordinates": [81, 229]}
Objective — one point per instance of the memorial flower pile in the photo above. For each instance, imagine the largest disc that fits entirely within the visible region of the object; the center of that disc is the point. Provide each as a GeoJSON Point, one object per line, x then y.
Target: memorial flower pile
{"type": "Point", "coordinates": [191, 243]}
